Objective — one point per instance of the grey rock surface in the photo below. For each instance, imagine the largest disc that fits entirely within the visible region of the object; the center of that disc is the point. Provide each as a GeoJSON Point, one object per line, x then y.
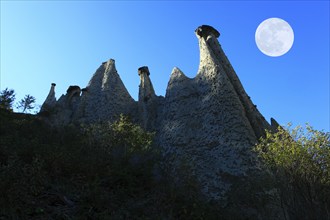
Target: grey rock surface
{"type": "Point", "coordinates": [150, 105]}
{"type": "Point", "coordinates": [105, 96]}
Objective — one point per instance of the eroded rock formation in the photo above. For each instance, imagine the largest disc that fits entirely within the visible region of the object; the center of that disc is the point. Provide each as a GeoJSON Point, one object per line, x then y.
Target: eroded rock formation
{"type": "Point", "coordinates": [207, 124]}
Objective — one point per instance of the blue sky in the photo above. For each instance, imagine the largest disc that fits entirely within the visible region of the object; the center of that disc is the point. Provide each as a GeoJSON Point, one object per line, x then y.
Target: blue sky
{"type": "Point", "coordinates": [65, 42]}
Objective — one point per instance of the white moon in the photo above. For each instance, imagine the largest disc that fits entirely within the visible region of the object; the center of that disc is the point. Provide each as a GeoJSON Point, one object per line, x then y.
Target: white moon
{"type": "Point", "coordinates": [274, 37]}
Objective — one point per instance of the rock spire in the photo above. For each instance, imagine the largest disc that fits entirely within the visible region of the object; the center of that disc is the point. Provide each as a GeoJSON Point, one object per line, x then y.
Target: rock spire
{"type": "Point", "coordinates": [212, 53]}
{"type": "Point", "coordinates": [209, 123]}
{"type": "Point", "coordinates": [148, 103]}
{"type": "Point", "coordinates": [105, 96]}
{"type": "Point", "coordinates": [146, 90]}
{"type": "Point", "coordinates": [50, 100]}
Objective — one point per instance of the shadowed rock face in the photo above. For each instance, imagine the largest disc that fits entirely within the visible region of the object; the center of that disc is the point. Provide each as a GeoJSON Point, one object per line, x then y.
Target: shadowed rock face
{"type": "Point", "coordinates": [207, 124]}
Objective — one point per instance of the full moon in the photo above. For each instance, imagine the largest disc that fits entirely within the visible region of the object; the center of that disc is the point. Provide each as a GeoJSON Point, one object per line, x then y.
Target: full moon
{"type": "Point", "coordinates": [274, 37]}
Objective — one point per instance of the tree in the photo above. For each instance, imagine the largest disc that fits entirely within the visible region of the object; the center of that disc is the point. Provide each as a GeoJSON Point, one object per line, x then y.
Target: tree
{"type": "Point", "coordinates": [7, 97]}
{"type": "Point", "coordinates": [27, 103]}
{"type": "Point", "coordinates": [299, 160]}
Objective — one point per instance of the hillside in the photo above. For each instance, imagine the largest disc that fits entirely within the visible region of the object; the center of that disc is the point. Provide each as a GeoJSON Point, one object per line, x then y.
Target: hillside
{"type": "Point", "coordinates": [114, 171]}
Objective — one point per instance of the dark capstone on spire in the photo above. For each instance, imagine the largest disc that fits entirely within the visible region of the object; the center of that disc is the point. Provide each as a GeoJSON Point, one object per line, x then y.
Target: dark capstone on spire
{"type": "Point", "coordinates": [143, 69]}
{"type": "Point", "coordinates": [206, 30]}
{"type": "Point", "coordinates": [73, 89]}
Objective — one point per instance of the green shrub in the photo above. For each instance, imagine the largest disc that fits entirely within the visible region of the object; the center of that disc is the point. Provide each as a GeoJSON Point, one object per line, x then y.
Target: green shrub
{"type": "Point", "coordinates": [300, 163]}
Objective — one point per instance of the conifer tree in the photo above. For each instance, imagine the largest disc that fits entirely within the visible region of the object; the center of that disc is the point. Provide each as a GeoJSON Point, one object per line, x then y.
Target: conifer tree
{"type": "Point", "coordinates": [27, 103]}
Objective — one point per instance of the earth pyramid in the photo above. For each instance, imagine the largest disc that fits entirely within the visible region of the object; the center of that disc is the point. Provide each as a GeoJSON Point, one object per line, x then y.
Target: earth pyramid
{"type": "Point", "coordinates": [205, 126]}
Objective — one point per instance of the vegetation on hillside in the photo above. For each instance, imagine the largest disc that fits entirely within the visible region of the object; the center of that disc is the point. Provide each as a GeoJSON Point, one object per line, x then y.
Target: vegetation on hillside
{"type": "Point", "coordinates": [99, 171]}
{"type": "Point", "coordinates": [113, 171]}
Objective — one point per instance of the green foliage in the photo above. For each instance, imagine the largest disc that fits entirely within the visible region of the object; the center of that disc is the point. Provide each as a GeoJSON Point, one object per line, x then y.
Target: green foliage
{"type": "Point", "coordinates": [121, 135]}
{"type": "Point", "coordinates": [27, 103]}
{"type": "Point", "coordinates": [300, 163]}
{"type": "Point", "coordinates": [7, 98]}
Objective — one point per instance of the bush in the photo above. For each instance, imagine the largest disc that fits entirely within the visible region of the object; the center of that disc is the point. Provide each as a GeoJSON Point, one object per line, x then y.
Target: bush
{"type": "Point", "coordinates": [121, 134]}
{"type": "Point", "coordinates": [300, 163]}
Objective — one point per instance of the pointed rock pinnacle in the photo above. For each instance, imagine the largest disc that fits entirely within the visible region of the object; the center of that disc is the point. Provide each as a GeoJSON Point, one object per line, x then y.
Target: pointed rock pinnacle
{"type": "Point", "coordinates": [50, 101]}
{"type": "Point", "coordinates": [105, 96]}
{"type": "Point", "coordinates": [148, 102]}
{"type": "Point", "coordinates": [146, 90]}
